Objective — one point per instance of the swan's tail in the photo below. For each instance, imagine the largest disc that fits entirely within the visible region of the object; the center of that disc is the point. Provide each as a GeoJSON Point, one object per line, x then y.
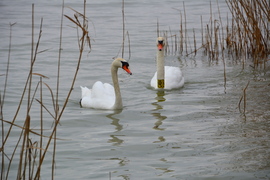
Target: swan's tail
{"type": "Point", "coordinates": [85, 91]}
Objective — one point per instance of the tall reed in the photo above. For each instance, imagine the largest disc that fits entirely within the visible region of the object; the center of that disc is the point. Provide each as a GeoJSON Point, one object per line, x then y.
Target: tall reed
{"type": "Point", "coordinates": [125, 35]}
{"type": "Point", "coordinates": [2, 100]}
{"type": "Point", "coordinates": [245, 36]}
{"type": "Point", "coordinates": [31, 154]}
{"type": "Point", "coordinates": [252, 29]}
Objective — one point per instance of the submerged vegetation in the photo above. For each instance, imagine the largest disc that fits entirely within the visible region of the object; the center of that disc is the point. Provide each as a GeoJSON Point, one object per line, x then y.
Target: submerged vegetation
{"type": "Point", "coordinates": [245, 36]}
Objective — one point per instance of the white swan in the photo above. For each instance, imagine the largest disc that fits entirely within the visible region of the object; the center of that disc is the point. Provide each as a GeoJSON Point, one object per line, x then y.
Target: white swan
{"type": "Point", "coordinates": [167, 77]}
{"type": "Point", "coordinates": [105, 96]}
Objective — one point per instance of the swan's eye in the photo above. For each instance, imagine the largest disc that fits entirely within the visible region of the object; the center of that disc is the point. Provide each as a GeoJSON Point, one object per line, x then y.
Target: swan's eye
{"type": "Point", "coordinates": [160, 42]}
{"type": "Point", "coordinates": [125, 67]}
{"type": "Point", "coordinates": [124, 64]}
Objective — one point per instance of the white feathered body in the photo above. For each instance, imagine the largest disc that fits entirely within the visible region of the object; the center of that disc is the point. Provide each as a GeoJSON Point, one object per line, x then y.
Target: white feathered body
{"type": "Point", "coordinates": [173, 78]}
{"type": "Point", "coordinates": [101, 96]}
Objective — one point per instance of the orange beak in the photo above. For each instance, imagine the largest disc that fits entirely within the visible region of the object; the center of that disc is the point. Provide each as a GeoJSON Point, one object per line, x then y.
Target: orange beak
{"type": "Point", "coordinates": [160, 46]}
{"type": "Point", "coordinates": [127, 70]}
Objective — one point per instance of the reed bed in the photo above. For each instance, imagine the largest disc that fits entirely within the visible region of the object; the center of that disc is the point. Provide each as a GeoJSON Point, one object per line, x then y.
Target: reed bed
{"type": "Point", "coordinates": [249, 32]}
{"type": "Point", "coordinates": [245, 36]}
{"type": "Point", "coordinates": [33, 145]}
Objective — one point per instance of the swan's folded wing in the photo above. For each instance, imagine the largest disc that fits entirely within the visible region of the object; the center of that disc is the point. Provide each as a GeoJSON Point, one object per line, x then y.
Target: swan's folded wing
{"type": "Point", "coordinates": [102, 96]}
{"type": "Point", "coordinates": [173, 77]}
{"type": "Point", "coordinates": [109, 90]}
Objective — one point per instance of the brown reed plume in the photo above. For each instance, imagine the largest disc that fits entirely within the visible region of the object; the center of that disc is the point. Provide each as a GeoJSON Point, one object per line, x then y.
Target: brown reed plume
{"type": "Point", "coordinates": [31, 154]}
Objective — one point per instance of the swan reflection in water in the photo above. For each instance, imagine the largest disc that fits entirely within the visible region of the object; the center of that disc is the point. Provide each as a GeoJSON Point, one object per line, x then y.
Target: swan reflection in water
{"type": "Point", "coordinates": [114, 138]}
{"type": "Point", "coordinates": [118, 127]}
{"type": "Point", "coordinates": [157, 115]}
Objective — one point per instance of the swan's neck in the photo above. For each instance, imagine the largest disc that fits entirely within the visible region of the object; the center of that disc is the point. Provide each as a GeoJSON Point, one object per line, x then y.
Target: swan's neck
{"type": "Point", "coordinates": [160, 69]}
{"type": "Point", "coordinates": [118, 98]}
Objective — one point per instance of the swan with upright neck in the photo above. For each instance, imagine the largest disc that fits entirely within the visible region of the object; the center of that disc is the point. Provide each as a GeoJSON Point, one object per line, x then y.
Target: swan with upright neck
{"type": "Point", "coordinates": [166, 77]}
{"type": "Point", "coordinates": [105, 96]}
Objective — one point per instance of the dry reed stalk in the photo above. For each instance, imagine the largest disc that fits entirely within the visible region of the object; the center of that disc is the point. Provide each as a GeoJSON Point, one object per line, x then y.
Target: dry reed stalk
{"type": "Point", "coordinates": [2, 100]}
{"type": "Point", "coordinates": [179, 42]}
{"type": "Point", "coordinates": [31, 60]}
{"type": "Point", "coordinates": [221, 39]}
{"type": "Point", "coordinates": [224, 64]}
{"type": "Point", "coordinates": [216, 47]}
{"type": "Point", "coordinates": [123, 21]}
{"type": "Point", "coordinates": [35, 148]}
{"type": "Point", "coordinates": [21, 172]}
{"type": "Point", "coordinates": [129, 47]}
{"type": "Point", "coordinates": [2, 149]}
{"type": "Point", "coordinates": [208, 47]}
{"type": "Point", "coordinates": [125, 34]}
{"type": "Point", "coordinates": [194, 36]}
{"type": "Point", "coordinates": [185, 23]}
{"type": "Point", "coordinates": [175, 43]}
{"type": "Point", "coordinates": [244, 96]}
{"type": "Point", "coordinates": [210, 31]}
{"type": "Point", "coordinates": [41, 123]}
{"type": "Point", "coordinates": [56, 107]}
{"type": "Point", "coordinates": [181, 46]}
{"type": "Point", "coordinates": [221, 36]}
{"type": "Point", "coordinates": [203, 44]}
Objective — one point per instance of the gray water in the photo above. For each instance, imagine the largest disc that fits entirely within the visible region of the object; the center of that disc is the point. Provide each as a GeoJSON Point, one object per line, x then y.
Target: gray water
{"type": "Point", "coordinates": [195, 132]}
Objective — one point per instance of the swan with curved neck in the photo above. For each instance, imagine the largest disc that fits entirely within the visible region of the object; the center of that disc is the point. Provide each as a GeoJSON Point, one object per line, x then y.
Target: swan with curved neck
{"type": "Point", "coordinates": [166, 77]}
{"type": "Point", "coordinates": [105, 96]}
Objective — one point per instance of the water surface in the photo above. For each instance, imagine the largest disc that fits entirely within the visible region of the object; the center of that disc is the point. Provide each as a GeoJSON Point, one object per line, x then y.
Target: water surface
{"type": "Point", "coordinates": [195, 132]}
